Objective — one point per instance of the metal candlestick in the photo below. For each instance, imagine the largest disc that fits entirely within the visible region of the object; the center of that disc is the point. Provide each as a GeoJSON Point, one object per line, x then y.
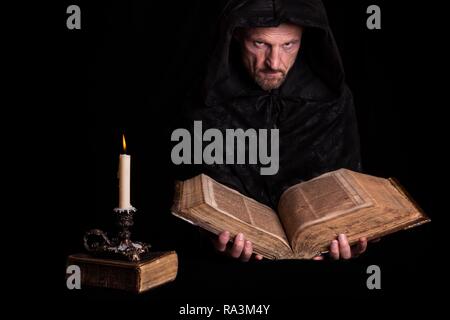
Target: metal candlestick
{"type": "Point", "coordinates": [97, 242]}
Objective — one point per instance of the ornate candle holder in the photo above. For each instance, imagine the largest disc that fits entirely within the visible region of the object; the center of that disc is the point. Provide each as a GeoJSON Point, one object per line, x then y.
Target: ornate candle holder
{"type": "Point", "coordinates": [97, 242]}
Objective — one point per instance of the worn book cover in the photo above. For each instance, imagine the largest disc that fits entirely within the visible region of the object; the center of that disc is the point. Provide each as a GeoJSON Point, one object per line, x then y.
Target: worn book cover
{"type": "Point", "coordinates": [157, 269]}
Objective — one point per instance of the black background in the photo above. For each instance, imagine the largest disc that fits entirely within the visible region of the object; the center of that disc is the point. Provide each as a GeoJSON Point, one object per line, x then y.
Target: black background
{"type": "Point", "coordinates": [119, 74]}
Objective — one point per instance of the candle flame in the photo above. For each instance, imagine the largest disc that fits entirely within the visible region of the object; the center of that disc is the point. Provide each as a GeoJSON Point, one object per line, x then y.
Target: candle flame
{"type": "Point", "coordinates": [124, 144]}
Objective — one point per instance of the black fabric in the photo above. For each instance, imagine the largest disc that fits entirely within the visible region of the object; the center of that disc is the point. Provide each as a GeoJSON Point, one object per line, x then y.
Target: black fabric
{"type": "Point", "coordinates": [313, 109]}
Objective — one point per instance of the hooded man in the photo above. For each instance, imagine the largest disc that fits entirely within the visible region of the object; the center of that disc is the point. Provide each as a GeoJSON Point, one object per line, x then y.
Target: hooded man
{"type": "Point", "coordinates": [275, 65]}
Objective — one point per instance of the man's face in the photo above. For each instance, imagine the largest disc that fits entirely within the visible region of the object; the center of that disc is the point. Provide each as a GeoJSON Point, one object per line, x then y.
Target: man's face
{"type": "Point", "coordinates": [269, 53]}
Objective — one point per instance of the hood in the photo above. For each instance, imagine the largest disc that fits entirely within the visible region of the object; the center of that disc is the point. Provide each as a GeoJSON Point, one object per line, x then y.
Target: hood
{"type": "Point", "coordinates": [317, 72]}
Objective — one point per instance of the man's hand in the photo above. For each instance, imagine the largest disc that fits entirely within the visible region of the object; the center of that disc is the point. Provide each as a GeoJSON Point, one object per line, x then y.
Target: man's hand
{"type": "Point", "coordinates": [340, 249]}
{"type": "Point", "coordinates": [240, 249]}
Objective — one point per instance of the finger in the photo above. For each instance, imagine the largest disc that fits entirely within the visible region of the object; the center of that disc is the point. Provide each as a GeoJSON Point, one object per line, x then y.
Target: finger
{"type": "Point", "coordinates": [360, 247]}
{"type": "Point", "coordinates": [258, 257]}
{"type": "Point", "coordinates": [344, 247]}
{"type": "Point", "coordinates": [247, 252]}
{"type": "Point", "coordinates": [334, 250]}
{"type": "Point", "coordinates": [238, 245]}
{"type": "Point", "coordinates": [221, 241]}
{"type": "Point", "coordinates": [318, 258]}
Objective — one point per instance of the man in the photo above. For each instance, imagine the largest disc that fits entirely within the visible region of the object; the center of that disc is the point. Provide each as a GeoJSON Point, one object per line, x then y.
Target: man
{"type": "Point", "coordinates": [276, 65]}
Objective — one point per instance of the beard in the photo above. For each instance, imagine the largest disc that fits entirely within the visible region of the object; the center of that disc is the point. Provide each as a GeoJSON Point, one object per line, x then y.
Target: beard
{"type": "Point", "coordinates": [269, 79]}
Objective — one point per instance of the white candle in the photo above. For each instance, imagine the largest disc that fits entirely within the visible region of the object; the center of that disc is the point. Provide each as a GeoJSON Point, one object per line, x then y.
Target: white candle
{"type": "Point", "coordinates": [124, 178]}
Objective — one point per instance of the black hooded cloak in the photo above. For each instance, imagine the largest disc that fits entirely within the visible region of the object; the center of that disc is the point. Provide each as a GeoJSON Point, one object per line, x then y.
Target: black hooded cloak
{"type": "Point", "coordinates": [313, 108]}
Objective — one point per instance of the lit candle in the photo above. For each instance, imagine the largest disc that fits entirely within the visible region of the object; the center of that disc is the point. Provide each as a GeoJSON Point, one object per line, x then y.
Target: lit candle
{"type": "Point", "coordinates": [124, 177]}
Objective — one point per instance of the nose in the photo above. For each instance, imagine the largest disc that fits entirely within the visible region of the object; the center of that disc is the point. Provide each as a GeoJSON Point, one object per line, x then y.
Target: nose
{"type": "Point", "coordinates": [273, 58]}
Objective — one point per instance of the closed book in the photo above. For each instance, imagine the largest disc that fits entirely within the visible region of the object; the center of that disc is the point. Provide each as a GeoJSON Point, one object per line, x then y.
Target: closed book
{"type": "Point", "coordinates": [156, 269]}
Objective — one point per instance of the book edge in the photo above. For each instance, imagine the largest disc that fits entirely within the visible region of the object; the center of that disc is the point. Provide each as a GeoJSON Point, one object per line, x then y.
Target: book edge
{"type": "Point", "coordinates": [166, 254]}
{"type": "Point", "coordinates": [399, 187]}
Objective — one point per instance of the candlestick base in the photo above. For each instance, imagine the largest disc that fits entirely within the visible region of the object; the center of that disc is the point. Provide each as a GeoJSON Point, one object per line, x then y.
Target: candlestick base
{"type": "Point", "coordinates": [97, 242]}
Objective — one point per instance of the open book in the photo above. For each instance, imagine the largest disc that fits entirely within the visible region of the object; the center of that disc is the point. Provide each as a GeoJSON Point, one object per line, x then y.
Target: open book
{"type": "Point", "coordinates": [310, 214]}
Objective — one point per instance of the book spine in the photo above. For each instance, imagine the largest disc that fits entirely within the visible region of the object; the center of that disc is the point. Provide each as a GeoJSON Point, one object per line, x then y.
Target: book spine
{"type": "Point", "coordinates": [105, 276]}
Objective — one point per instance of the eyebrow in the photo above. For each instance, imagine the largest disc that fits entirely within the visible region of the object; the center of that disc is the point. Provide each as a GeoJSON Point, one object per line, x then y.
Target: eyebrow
{"type": "Point", "coordinates": [294, 41]}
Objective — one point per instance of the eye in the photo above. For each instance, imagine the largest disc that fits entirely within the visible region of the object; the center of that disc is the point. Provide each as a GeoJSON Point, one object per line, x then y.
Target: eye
{"type": "Point", "coordinates": [258, 44]}
{"type": "Point", "coordinates": [288, 45]}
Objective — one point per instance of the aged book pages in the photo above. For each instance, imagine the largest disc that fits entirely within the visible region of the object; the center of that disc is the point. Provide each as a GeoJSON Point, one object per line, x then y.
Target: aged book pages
{"type": "Point", "coordinates": [310, 214]}
{"type": "Point", "coordinates": [158, 268]}
{"type": "Point", "coordinates": [215, 207]}
{"type": "Point", "coordinates": [343, 201]}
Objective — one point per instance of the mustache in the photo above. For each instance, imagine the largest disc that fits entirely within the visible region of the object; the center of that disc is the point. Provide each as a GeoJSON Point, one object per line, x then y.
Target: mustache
{"type": "Point", "coordinates": [269, 70]}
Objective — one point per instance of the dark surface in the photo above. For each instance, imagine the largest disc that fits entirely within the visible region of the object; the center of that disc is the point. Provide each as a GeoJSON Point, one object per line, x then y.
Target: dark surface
{"type": "Point", "coordinates": [130, 59]}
